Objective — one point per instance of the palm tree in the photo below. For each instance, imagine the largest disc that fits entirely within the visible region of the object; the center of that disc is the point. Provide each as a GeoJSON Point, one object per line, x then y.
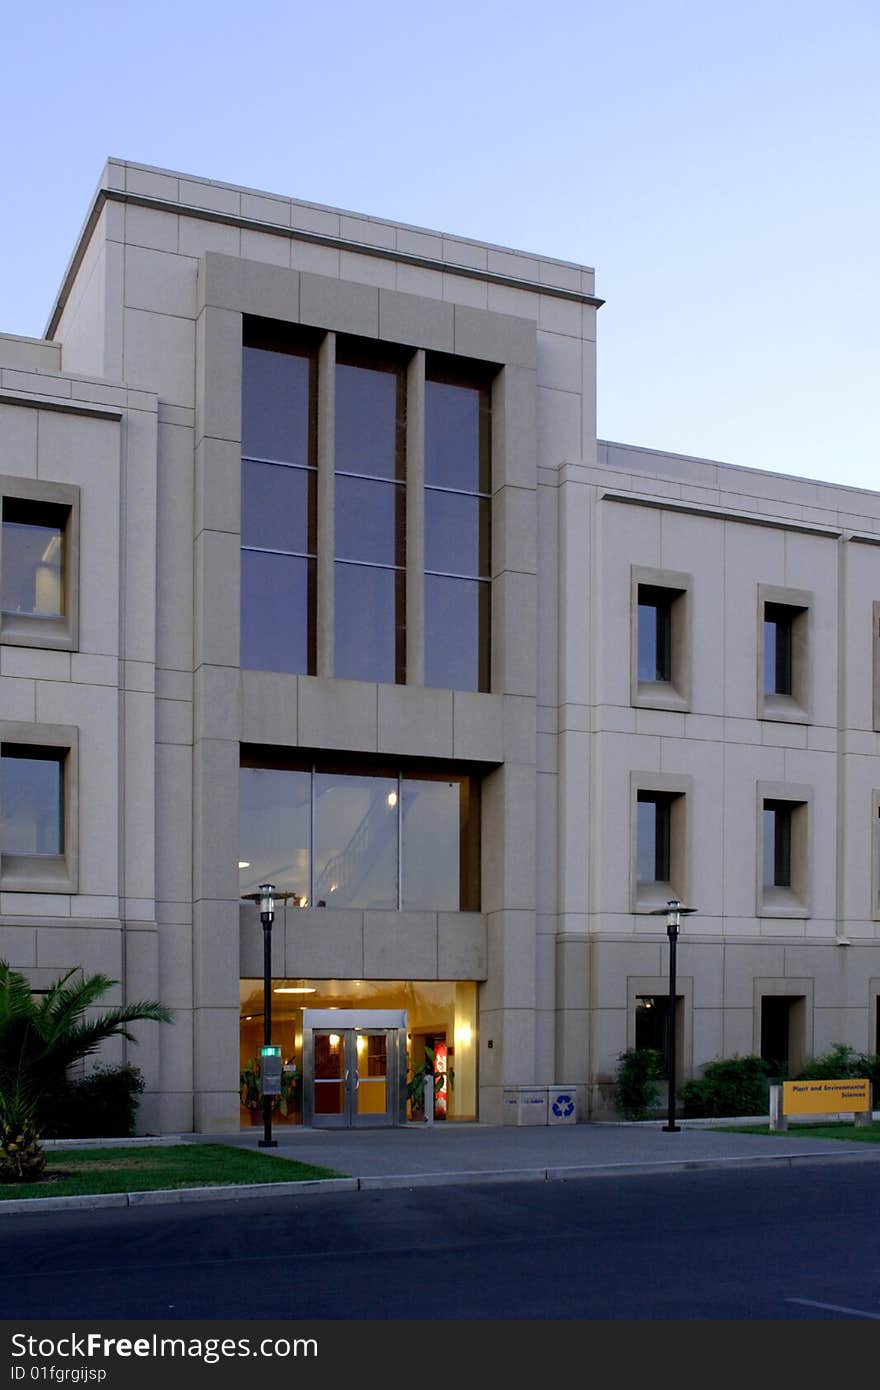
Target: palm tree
{"type": "Point", "coordinates": [40, 1037]}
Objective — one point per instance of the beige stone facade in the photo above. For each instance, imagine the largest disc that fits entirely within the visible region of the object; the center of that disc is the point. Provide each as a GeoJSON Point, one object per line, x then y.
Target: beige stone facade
{"type": "Point", "coordinates": [130, 410]}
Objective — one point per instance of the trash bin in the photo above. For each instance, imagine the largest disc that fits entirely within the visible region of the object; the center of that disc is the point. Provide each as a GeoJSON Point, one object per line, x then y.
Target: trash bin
{"type": "Point", "coordinates": [561, 1105]}
{"type": "Point", "coordinates": [524, 1105]}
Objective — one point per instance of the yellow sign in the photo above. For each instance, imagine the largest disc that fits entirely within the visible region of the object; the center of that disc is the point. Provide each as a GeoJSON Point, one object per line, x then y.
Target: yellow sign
{"type": "Point", "coordinates": [825, 1097]}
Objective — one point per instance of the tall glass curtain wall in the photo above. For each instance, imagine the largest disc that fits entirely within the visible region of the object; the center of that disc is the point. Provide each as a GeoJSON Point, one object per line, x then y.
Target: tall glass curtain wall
{"type": "Point", "coordinates": [279, 515]}
{"type": "Point", "coordinates": [334, 839]}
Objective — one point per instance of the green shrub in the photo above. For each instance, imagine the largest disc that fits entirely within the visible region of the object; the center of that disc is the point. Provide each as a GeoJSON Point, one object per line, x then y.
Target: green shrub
{"type": "Point", "coordinates": [841, 1063]}
{"type": "Point", "coordinates": [635, 1091]}
{"type": "Point", "coordinates": [728, 1086]}
{"type": "Point", "coordinates": [101, 1105]}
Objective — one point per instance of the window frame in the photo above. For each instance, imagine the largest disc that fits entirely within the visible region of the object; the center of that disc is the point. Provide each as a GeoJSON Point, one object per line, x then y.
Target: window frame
{"type": "Point", "coordinates": [58, 873]}
{"type": "Point", "coordinates": [23, 630]}
{"type": "Point", "coordinates": [793, 707]}
{"type": "Point", "coordinates": [676, 790]}
{"type": "Point", "coordinates": [792, 899]}
{"type": "Point", "coordinates": [675, 693]}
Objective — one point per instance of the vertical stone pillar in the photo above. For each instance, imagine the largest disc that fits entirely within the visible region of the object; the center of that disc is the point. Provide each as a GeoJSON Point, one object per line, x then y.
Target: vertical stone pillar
{"type": "Point", "coordinates": [216, 720]}
{"type": "Point", "coordinates": [509, 998]}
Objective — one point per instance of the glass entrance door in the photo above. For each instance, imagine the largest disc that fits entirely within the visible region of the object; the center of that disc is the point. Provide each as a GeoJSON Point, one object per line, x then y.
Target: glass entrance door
{"type": "Point", "coordinates": [353, 1077]}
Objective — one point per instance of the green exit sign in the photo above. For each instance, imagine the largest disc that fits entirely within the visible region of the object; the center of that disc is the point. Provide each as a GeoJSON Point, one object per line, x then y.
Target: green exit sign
{"type": "Point", "coordinates": [270, 1051]}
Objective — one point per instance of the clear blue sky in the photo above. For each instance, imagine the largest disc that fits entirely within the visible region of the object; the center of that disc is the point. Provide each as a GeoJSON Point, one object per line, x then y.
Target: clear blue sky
{"type": "Point", "coordinates": [717, 163]}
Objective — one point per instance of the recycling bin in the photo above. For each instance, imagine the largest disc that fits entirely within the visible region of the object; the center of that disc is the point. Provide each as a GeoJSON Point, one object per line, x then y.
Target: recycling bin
{"type": "Point", "coordinates": [561, 1105]}
{"type": "Point", "coordinates": [524, 1105]}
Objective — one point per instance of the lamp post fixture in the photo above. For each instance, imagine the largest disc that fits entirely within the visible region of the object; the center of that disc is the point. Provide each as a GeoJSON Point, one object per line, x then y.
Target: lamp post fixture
{"type": "Point", "coordinates": [673, 912]}
{"type": "Point", "coordinates": [267, 917]}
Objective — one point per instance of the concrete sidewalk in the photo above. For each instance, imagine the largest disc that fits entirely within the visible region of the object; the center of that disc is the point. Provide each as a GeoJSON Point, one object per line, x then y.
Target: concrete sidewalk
{"type": "Point", "coordinates": [414, 1154]}
{"type": "Point", "coordinates": [447, 1154]}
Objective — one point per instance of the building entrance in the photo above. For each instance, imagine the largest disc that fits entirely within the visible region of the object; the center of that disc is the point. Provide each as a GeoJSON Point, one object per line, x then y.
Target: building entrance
{"type": "Point", "coordinates": [354, 1067]}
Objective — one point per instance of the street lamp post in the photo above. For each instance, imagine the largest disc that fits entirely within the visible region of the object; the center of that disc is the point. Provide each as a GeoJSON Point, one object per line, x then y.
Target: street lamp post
{"type": "Point", "coordinates": [673, 913]}
{"type": "Point", "coordinates": [267, 917]}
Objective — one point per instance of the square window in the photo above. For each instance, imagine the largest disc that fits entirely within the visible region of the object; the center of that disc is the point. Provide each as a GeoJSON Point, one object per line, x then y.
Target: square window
{"type": "Point", "coordinates": [659, 839]}
{"type": "Point", "coordinates": [783, 888]}
{"type": "Point", "coordinates": [38, 563]}
{"type": "Point", "coordinates": [660, 657]}
{"type": "Point", "coordinates": [783, 654]}
{"type": "Point", "coordinates": [38, 802]}
{"type": "Point", "coordinates": [31, 800]}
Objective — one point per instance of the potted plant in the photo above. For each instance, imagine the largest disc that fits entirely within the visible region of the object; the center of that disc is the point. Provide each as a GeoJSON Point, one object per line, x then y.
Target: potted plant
{"type": "Point", "coordinates": [418, 1082]}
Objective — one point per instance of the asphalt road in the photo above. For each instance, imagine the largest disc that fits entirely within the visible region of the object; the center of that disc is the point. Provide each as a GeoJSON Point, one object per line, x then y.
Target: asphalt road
{"type": "Point", "coordinates": [782, 1244]}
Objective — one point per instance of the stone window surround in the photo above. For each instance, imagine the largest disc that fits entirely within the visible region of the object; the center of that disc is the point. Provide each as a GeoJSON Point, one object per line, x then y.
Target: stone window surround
{"type": "Point", "coordinates": [62, 633]}
{"type": "Point", "coordinates": [229, 288]}
{"type": "Point", "coordinates": [794, 708]}
{"type": "Point", "coordinates": [674, 694]}
{"type": "Point", "coordinates": [24, 873]}
{"type": "Point", "coordinates": [796, 900]}
{"type": "Point", "coordinates": [658, 985]}
{"type": "Point", "coordinates": [680, 788]}
{"type": "Point", "coordinates": [799, 989]}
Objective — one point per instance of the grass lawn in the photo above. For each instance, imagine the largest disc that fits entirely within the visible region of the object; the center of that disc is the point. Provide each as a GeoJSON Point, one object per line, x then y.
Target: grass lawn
{"type": "Point", "coordinates": [836, 1129]}
{"type": "Point", "coordinates": [81, 1172]}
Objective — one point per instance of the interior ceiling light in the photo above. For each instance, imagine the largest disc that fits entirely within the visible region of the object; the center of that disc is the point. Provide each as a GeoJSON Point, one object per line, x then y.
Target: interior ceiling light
{"type": "Point", "coordinates": [295, 989]}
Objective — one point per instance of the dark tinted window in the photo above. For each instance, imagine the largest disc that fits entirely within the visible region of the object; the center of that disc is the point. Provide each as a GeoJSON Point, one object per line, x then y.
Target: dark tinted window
{"type": "Point", "coordinates": [655, 633]}
{"type": "Point", "coordinates": [278, 507]}
{"type": "Point", "coordinates": [776, 827]}
{"type": "Point", "coordinates": [457, 533]}
{"type": "Point", "coordinates": [277, 612]}
{"type": "Point", "coordinates": [33, 558]}
{"type": "Point", "coordinates": [653, 837]}
{"type": "Point", "coordinates": [456, 436]}
{"type": "Point", "coordinates": [369, 421]}
{"type": "Point", "coordinates": [276, 410]}
{"type": "Point", "coordinates": [370, 520]}
{"type": "Point", "coordinates": [369, 608]}
{"type": "Point", "coordinates": [456, 617]}
{"type": "Point", "coordinates": [778, 622]}
{"type": "Point", "coordinates": [31, 802]}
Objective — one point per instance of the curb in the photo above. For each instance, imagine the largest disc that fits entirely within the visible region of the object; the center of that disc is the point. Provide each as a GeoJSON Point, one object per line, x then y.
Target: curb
{"type": "Point", "coordinates": [325, 1186]}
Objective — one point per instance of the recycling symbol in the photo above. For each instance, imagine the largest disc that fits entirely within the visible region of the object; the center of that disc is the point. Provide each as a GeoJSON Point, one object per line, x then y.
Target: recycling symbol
{"type": "Point", "coordinates": [563, 1106]}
